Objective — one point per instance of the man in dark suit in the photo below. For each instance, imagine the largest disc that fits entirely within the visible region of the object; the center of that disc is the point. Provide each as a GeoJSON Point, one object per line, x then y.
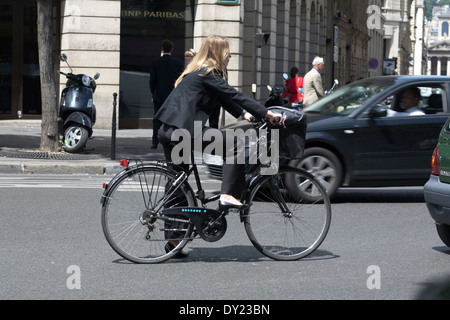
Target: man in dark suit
{"type": "Point", "coordinates": [165, 70]}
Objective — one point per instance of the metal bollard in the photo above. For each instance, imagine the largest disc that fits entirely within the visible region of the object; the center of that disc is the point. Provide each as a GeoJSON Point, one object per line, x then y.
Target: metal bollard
{"type": "Point", "coordinates": [113, 133]}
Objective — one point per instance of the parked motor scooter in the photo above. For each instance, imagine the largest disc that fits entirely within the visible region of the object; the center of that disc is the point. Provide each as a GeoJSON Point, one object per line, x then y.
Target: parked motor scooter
{"type": "Point", "coordinates": [276, 97]}
{"type": "Point", "coordinates": [77, 110]}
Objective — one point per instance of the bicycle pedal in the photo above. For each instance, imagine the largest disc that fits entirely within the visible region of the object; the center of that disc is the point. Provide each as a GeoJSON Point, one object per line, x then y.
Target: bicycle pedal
{"type": "Point", "coordinates": [227, 206]}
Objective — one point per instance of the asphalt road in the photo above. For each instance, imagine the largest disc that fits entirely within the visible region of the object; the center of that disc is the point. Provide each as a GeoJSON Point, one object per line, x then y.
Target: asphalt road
{"type": "Point", "coordinates": [382, 245]}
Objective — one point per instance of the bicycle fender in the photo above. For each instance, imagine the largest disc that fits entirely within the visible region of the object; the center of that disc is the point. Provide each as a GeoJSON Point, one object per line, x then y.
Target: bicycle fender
{"type": "Point", "coordinates": [127, 170]}
{"type": "Point", "coordinates": [108, 185]}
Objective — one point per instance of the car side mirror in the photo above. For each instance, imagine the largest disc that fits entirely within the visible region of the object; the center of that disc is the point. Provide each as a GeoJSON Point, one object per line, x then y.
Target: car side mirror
{"type": "Point", "coordinates": [378, 111]}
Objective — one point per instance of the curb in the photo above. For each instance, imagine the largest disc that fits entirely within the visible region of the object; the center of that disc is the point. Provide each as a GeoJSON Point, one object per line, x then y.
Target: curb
{"type": "Point", "coordinates": [89, 165]}
{"type": "Point", "coordinates": [19, 166]}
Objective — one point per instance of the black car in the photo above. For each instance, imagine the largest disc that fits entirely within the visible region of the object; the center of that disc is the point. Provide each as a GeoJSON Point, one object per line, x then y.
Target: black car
{"type": "Point", "coordinates": [359, 136]}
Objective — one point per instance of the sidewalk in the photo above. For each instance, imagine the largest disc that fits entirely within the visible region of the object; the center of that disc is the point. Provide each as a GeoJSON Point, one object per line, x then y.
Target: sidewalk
{"type": "Point", "coordinates": [20, 141]}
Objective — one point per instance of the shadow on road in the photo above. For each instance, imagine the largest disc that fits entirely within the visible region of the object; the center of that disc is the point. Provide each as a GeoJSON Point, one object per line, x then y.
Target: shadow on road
{"type": "Point", "coordinates": [443, 249]}
{"type": "Point", "coordinates": [379, 195]}
{"type": "Point", "coordinates": [237, 253]}
{"type": "Point", "coordinates": [241, 253]}
{"type": "Point", "coordinates": [438, 289]}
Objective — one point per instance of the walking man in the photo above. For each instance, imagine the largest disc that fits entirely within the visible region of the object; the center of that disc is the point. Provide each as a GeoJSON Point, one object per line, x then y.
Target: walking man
{"type": "Point", "coordinates": [312, 86]}
{"type": "Point", "coordinates": [164, 71]}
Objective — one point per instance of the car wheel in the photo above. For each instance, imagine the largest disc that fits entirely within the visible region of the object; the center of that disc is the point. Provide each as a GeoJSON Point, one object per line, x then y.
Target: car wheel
{"type": "Point", "coordinates": [443, 231]}
{"type": "Point", "coordinates": [324, 166]}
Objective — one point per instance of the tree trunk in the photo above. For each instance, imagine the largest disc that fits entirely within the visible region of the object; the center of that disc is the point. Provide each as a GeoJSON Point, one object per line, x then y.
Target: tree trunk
{"type": "Point", "coordinates": [49, 126]}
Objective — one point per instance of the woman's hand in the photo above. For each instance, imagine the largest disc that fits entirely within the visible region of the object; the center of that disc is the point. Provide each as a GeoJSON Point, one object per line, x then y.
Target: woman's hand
{"type": "Point", "coordinates": [275, 118]}
{"type": "Point", "coordinates": [248, 116]}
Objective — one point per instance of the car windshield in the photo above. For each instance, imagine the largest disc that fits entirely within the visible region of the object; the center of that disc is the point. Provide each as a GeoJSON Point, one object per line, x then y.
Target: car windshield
{"type": "Point", "coordinates": [347, 99]}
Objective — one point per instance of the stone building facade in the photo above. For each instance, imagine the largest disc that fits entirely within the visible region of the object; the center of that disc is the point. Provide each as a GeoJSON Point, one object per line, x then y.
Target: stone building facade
{"type": "Point", "coordinates": [119, 38]}
{"type": "Point", "coordinates": [397, 34]}
{"type": "Point", "coordinates": [418, 38]}
{"type": "Point", "coordinates": [438, 55]}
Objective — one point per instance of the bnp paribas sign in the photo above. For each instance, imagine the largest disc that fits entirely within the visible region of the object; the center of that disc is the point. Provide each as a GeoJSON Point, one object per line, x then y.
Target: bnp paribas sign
{"type": "Point", "coordinates": [153, 14]}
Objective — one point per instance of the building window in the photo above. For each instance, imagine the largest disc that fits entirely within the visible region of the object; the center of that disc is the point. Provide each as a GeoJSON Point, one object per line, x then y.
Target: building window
{"type": "Point", "coordinates": [6, 48]}
{"type": "Point", "coordinates": [144, 24]}
{"type": "Point", "coordinates": [445, 29]}
{"type": "Point", "coordinates": [31, 99]}
{"type": "Point", "coordinates": [20, 89]}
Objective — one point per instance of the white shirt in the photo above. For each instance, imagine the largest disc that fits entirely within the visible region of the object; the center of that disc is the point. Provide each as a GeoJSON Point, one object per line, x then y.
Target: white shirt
{"type": "Point", "coordinates": [415, 111]}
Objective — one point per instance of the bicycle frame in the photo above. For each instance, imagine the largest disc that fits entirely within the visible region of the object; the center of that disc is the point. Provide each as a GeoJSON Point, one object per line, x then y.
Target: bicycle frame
{"type": "Point", "coordinates": [200, 194]}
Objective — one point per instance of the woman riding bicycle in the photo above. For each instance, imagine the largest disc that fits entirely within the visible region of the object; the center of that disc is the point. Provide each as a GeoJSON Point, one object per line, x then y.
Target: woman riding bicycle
{"type": "Point", "coordinates": [201, 89]}
{"type": "Point", "coordinates": [150, 211]}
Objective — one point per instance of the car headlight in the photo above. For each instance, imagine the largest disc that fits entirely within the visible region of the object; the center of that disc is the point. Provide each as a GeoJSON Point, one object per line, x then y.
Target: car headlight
{"type": "Point", "coordinates": [86, 80]}
{"type": "Point", "coordinates": [213, 160]}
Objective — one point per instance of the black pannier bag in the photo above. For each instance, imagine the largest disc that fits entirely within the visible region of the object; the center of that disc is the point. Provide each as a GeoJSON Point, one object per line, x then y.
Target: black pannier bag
{"type": "Point", "coordinates": [292, 134]}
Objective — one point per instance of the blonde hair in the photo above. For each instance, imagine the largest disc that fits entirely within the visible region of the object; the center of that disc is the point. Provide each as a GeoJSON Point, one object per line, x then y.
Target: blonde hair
{"type": "Point", "coordinates": [212, 55]}
{"type": "Point", "coordinates": [190, 53]}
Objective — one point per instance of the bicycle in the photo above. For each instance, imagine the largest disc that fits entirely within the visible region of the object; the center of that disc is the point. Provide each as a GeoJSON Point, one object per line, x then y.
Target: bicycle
{"type": "Point", "coordinates": [146, 205]}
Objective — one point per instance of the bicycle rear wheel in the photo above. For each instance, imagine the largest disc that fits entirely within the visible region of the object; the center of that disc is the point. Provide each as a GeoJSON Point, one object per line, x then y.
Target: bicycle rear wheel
{"type": "Point", "coordinates": [281, 224]}
{"type": "Point", "coordinates": [131, 214]}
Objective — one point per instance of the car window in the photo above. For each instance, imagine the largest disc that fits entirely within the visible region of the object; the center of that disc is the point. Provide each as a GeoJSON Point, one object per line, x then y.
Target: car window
{"type": "Point", "coordinates": [434, 103]}
{"type": "Point", "coordinates": [430, 101]}
{"type": "Point", "coordinates": [446, 127]}
{"type": "Point", "coordinates": [347, 99]}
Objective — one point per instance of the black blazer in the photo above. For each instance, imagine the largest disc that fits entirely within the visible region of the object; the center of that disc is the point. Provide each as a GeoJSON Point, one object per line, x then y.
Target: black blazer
{"type": "Point", "coordinates": [197, 96]}
{"type": "Point", "coordinates": [164, 72]}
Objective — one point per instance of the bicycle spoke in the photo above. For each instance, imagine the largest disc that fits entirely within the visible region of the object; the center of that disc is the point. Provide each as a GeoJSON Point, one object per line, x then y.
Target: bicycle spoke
{"type": "Point", "coordinates": [131, 214]}
{"type": "Point", "coordinates": [296, 230]}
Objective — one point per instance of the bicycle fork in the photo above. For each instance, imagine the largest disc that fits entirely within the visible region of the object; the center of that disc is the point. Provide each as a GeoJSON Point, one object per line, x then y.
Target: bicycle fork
{"type": "Point", "coordinates": [276, 193]}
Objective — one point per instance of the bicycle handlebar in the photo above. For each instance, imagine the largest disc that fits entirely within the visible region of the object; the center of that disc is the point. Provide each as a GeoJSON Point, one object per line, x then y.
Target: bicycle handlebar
{"type": "Point", "coordinates": [278, 120]}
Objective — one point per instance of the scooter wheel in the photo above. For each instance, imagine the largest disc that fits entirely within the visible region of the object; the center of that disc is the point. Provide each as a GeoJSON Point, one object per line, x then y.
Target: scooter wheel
{"type": "Point", "coordinates": [75, 138]}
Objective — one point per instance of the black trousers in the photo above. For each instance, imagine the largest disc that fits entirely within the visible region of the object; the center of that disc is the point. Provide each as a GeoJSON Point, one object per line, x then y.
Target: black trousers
{"type": "Point", "coordinates": [156, 123]}
{"type": "Point", "coordinates": [233, 179]}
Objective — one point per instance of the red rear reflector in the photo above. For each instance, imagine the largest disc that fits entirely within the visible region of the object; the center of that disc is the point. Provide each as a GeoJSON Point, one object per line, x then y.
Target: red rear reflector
{"type": "Point", "coordinates": [434, 162]}
{"type": "Point", "coordinates": [124, 163]}
{"type": "Point", "coordinates": [104, 185]}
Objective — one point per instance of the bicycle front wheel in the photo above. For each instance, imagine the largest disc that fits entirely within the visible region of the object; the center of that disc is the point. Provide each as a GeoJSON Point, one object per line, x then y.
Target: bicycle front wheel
{"type": "Point", "coordinates": [281, 224]}
{"type": "Point", "coordinates": [132, 218]}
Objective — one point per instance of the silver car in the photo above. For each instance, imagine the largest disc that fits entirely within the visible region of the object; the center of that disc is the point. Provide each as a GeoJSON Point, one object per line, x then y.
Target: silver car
{"type": "Point", "coordinates": [437, 189]}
